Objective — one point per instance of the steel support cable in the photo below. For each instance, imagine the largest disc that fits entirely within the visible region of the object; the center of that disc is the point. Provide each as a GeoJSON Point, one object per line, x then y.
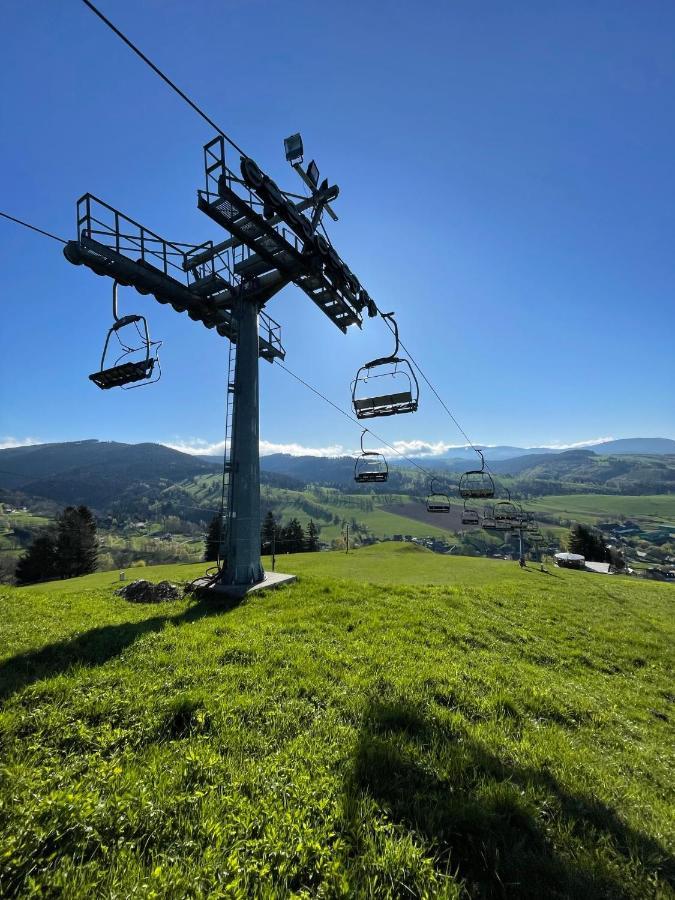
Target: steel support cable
{"type": "Point", "coordinates": [434, 391]}
{"type": "Point", "coordinates": [354, 420]}
{"type": "Point", "coordinates": [161, 74]}
{"type": "Point", "coordinates": [33, 227]}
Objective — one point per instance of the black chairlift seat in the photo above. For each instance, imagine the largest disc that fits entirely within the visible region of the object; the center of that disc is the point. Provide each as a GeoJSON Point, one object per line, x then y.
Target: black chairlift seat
{"type": "Point", "coordinates": [470, 516]}
{"type": "Point", "coordinates": [370, 467]}
{"type": "Point", "coordinates": [405, 396]}
{"type": "Point", "coordinates": [385, 405]}
{"type": "Point", "coordinates": [371, 477]}
{"type": "Point", "coordinates": [126, 373]}
{"type": "Point", "coordinates": [477, 483]}
{"type": "Point", "coordinates": [437, 501]}
{"type": "Point", "coordinates": [507, 515]}
{"type": "Point", "coordinates": [135, 372]}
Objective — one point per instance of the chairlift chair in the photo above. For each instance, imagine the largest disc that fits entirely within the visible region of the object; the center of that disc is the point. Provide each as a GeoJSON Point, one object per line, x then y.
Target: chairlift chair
{"type": "Point", "coordinates": [531, 524]}
{"type": "Point", "coordinates": [370, 467]}
{"type": "Point", "coordinates": [437, 501]}
{"type": "Point", "coordinates": [506, 514]}
{"type": "Point", "coordinates": [489, 522]}
{"type": "Point", "coordinates": [141, 354]}
{"type": "Point", "coordinates": [477, 483]}
{"type": "Point", "coordinates": [470, 516]}
{"type": "Point", "coordinates": [404, 394]}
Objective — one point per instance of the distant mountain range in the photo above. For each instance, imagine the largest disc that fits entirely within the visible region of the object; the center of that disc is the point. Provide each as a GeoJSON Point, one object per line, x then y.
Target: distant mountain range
{"type": "Point", "coordinates": [108, 474]}
{"type": "Point", "coordinates": [651, 446]}
{"type": "Point", "coordinates": [95, 472]}
{"type": "Point", "coordinates": [623, 473]}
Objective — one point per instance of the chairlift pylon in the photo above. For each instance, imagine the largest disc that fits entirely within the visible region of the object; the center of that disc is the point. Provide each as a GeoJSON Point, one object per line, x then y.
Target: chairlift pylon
{"type": "Point", "coordinates": [370, 467]}
{"type": "Point", "coordinates": [477, 483]}
{"type": "Point", "coordinates": [437, 501]}
{"type": "Point", "coordinates": [403, 398]}
{"type": "Point", "coordinates": [135, 372]}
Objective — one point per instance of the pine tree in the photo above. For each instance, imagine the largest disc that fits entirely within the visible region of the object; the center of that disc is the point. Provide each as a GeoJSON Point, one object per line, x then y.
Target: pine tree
{"type": "Point", "coordinates": [269, 530]}
{"type": "Point", "coordinates": [292, 537]}
{"type": "Point", "coordinates": [212, 540]}
{"type": "Point", "coordinates": [39, 561]}
{"type": "Point", "coordinates": [312, 542]}
{"type": "Point", "coordinates": [587, 542]}
{"type": "Point", "coordinates": [88, 541]}
{"type": "Point", "coordinates": [76, 544]}
{"type": "Point", "coordinates": [576, 542]}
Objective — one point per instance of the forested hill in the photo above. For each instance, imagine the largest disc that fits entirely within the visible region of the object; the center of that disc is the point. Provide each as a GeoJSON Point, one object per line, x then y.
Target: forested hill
{"type": "Point", "coordinates": [96, 473]}
{"type": "Point", "coordinates": [625, 474]}
{"type": "Point", "coordinates": [568, 471]}
{"type": "Point", "coordinates": [110, 476]}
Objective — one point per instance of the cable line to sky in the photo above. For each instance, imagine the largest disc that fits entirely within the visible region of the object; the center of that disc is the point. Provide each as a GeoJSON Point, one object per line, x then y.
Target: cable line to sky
{"type": "Point", "coordinates": [158, 71]}
{"type": "Point", "coordinates": [435, 392]}
{"type": "Point", "coordinates": [32, 227]}
{"type": "Point", "coordinates": [353, 419]}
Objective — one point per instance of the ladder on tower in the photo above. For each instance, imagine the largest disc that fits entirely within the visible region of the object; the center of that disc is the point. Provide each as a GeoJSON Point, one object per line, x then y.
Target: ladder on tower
{"type": "Point", "coordinates": [228, 461]}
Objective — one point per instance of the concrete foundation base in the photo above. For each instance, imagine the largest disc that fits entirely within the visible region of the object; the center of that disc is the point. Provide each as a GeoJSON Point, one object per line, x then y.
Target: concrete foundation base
{"type": "Point", "coordinates": [237, 591]}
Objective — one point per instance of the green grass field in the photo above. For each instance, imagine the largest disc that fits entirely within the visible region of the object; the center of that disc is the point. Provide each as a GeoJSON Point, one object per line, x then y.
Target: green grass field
{"type": "Point", "coordinates": [395, 724]}
{"type": "Point", "coordinates": [588, 508]}
{"type": "Point", "coordinates": [379, 522]}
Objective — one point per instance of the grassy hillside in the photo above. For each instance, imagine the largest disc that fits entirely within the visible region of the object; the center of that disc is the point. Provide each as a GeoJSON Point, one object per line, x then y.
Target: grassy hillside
{"type": "Point", "coordinates": [323, 504]}
{"type": "Point", "coordinates": [395, 724]}
{"type": "Point", "coordinates": [590, 507]}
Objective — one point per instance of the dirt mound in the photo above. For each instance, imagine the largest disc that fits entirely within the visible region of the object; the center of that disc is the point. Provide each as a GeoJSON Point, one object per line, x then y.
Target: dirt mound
{"type": "Point", "coordinates": [142, 591]}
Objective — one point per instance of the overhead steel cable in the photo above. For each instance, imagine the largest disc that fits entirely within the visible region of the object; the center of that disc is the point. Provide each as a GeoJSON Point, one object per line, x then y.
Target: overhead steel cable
{"type": "Point", "coordinates": [48, 234]}
{"type": "Point", "coordinates": [164, 77]}
{"type": "Point", "coordinates": [354, 419]}
{"type": "Point", "coordinates": [434, 391]}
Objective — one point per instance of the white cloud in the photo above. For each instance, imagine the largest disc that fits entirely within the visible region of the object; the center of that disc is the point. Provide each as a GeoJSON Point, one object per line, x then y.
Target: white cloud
{"type": "Point", "coordinates": [267, 448]}
{"type": "Point", "coordinates": [426, 448]}
{"type": "Point", "coordinates": [416, 447]}
{"type": "Point", "coordinates": [592, 443]}
{"type": "Point", "coordinates": [197, 446]}
{"type": "Point", "coordinates": [8, 443]}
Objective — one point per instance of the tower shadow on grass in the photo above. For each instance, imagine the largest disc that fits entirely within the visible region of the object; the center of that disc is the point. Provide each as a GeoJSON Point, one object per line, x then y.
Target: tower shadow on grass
{"type": "Point", "coordinates": [491, 822]}
{"type": "Point", "coordinates": [95, 647]}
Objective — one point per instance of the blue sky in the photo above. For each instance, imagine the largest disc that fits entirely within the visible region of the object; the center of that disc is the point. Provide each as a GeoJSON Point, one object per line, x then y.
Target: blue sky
{"type": "Point", "coordinates": [507, 187]}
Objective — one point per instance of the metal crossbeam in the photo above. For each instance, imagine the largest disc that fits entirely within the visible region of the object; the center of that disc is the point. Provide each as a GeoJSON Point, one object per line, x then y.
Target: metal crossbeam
{"type": "Point", "coordinates": [235, 207]}
{"type": "Point", "coordinates": [111, 243]}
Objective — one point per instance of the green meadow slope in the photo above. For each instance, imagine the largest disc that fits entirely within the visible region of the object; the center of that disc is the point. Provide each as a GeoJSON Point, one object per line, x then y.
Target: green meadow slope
{"type": "Point", "coordinates": [395, 724]}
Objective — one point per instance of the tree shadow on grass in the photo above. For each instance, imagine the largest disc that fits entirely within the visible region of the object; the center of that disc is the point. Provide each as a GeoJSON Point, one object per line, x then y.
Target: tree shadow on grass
{"type": "Point", "coordinates": [95, 647]}
{"type": "Point", "coordinates": [491, 822]}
